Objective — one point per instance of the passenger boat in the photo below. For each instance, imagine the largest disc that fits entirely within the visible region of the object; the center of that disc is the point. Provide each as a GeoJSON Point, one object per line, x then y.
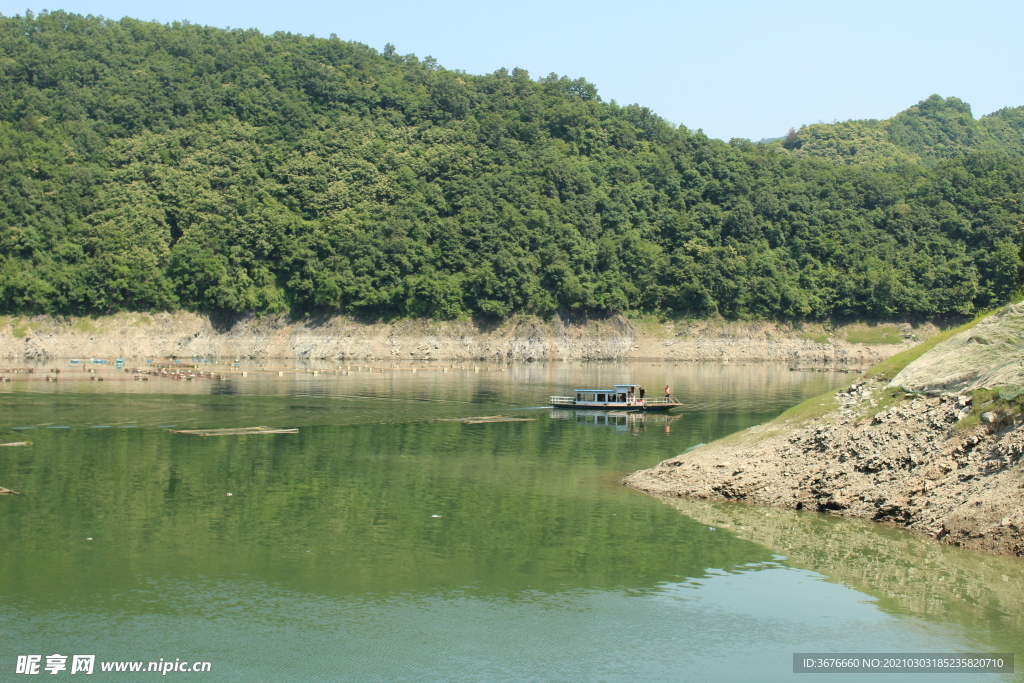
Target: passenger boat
{"type": "Point", "coordinates": [621, 397]}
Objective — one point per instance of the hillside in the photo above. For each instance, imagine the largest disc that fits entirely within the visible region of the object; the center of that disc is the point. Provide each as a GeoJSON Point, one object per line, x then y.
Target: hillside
{"type": "Point", "coordinates": [933, 129]}
{"type": "Point", "coordinates": [149, 167]}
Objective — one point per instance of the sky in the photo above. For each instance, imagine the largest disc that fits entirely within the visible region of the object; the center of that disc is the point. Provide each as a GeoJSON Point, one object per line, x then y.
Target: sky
{"type": "Point", "coordinates": [734, 68]}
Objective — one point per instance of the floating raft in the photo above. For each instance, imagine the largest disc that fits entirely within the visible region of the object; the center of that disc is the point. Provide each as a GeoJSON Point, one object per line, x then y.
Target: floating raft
{"type": "Point", "coordinates": [233, 431]}
{"type": "Point", "coordinates": [484, 419]}
{"type": "Point", "coordinates": [17, 443]}
{"type": "Point", "coordinates": [5, 492]}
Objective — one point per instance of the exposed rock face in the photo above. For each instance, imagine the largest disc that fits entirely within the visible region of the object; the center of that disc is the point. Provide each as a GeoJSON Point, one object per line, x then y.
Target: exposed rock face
{"type": "Point", "coordinates": [520, 339]}
{"type": "Point", "coordinates": [991, 354]}
{"type": "Point", "coordinates": [905, 464]}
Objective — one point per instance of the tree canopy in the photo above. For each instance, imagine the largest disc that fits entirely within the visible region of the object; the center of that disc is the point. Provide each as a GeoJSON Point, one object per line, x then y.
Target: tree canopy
{"type": "Point", "coordinates": [155, 167]}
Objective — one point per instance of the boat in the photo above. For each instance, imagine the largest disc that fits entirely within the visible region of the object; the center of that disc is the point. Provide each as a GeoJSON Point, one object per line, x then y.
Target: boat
{"type": "Point", "coordinates": [620, 397]}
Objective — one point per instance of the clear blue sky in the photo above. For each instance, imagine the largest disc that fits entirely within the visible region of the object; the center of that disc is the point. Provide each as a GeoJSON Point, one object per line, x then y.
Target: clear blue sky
{"type": "Point", "coordinates": [735, 68]}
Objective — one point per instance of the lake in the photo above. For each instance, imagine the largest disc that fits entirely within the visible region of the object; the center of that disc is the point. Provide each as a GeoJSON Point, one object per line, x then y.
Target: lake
{"type": "Point", "coordinates": [386, 542]}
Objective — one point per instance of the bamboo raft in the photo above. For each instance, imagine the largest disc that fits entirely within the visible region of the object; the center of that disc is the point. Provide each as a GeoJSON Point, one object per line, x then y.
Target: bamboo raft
{"type": "Point", "coordinates": [232, 431]}
{"type": "Point", "coordinates": [17, 443]}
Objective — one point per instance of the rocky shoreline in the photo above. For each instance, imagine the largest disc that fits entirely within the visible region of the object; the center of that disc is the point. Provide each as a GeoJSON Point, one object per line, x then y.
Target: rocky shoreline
{"type": "Point", "coordinates": [943, 464]}
{"type": "Point", "coordinates": [907, 465]}
{"type": "Point", "coordinates": [520, 339]}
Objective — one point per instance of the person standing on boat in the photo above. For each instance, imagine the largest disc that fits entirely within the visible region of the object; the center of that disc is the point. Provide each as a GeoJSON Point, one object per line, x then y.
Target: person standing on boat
{"type": "Point", "coordinates": [668, 392]}
{"type": "Point", "coordinates": [642, 393]}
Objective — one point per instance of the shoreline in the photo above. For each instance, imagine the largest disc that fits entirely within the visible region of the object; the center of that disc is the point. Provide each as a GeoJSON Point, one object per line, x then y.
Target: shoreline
{"type": "Point", "coordinates": [903, 460]}
{"type": "Point", "coordinates": [932, 441]}
{"type": "Point", "coordinates": [519, 339]}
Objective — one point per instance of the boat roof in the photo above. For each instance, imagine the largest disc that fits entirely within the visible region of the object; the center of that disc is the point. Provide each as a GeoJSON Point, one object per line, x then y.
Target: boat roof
{"type": "Point", "coordinates": [605, 391]}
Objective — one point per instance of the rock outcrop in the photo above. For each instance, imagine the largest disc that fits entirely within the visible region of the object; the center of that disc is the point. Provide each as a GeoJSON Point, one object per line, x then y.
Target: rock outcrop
{"type": "Point", "coordinates": [991, 354]}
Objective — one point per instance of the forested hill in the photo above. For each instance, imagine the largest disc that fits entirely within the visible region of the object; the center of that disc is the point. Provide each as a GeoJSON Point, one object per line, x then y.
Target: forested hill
{"type": "Point", "coordinates": [931, 130]}
{"type": "Point", "coordinates": [149, 166]}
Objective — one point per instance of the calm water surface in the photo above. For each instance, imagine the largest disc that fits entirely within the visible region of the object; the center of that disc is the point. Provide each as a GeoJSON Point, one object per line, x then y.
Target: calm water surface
{"type": "Point", "coordinates": [377, 544]}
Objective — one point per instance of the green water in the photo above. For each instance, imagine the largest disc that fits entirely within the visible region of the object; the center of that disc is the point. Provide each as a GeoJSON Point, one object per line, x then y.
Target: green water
{"type": "Point", "coordinates": [379, 545]}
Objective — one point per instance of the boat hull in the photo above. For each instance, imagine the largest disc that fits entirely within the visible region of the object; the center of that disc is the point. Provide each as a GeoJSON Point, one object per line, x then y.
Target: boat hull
{"type": "Point", "coordinates": [617, 406]}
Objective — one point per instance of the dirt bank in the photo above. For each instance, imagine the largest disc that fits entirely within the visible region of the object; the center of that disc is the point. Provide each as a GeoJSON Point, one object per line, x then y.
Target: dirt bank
{"type": "Point", "coordinates": [938, 464]}
{"type": "Point", "coordinates": [522, 338]}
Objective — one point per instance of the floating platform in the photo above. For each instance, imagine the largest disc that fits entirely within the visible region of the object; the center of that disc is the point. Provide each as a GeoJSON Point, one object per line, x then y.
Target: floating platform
{"type": "Point", "coordinates": [483, 419]}
{"type": "Point", "coordinates": [232, 431]}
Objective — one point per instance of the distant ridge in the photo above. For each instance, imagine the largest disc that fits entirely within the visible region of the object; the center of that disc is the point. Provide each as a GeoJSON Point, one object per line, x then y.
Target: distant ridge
{"type": "Point", "coordinates": [933, 129]}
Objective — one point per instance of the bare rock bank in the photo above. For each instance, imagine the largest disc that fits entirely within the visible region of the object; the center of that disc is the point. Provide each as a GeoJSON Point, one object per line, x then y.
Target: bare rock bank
{"type": "Point", "coordinates": [522, 338]}
{"type": "Point", "coordinates": [937, 464]}
{"type": "Point", "coordinates": [987, 355]}
{"type": "Point", "coordinates": [906, 465]}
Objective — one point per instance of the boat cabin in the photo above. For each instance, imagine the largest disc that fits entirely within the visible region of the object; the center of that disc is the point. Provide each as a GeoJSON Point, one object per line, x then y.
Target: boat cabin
{"type": "Point", "coordinates": [621, 394]}
{"type": "Point", "coordinates": [619, 397]}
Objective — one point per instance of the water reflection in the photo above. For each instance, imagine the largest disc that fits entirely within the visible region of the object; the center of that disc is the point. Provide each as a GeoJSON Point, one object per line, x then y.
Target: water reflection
{"type": "Point", "coordinates": [905, 573]}
{"type": "Point", "coordinates": [623, 421]}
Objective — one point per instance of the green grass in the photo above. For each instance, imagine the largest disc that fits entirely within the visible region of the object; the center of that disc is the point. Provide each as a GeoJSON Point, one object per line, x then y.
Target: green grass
{"type": "Point", "coordinates": [875, 334]}
{"type": "Point", "coordinates": [84, 326]}
{"type": "Point", "coordinates": [816, 338]}
{"type": "Point", "coordinates": [646, 322]}
{"type": "Point", "coordinates": [886, 398]}
{"type": "Point", "coordinates": [814, 407]}
{"type": "Point", "coordinates": [891, 367]}
{"type": "Point", "coordinates": [20, 331]}
{"type": "Point", "coordinates": [989, 400]}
